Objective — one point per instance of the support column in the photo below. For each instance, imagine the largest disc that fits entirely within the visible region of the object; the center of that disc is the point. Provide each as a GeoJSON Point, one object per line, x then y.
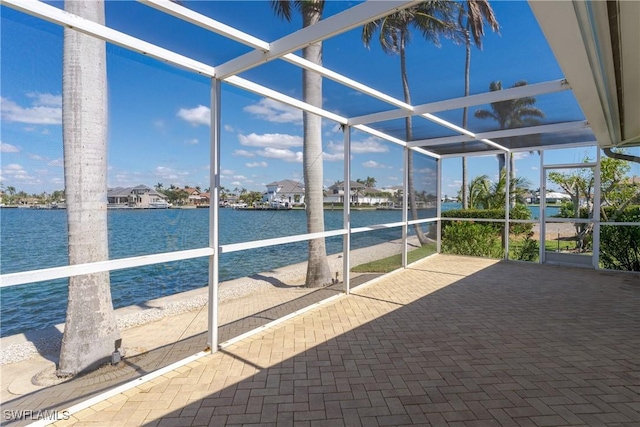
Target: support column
{"type": "Point", "coordinates": [214, 204]}
{"type": "Point", "coordinates": [507, 203]}
{"type": "Point", "coordinates": [597, 184]}
{"type": "Point", "coordinates": [543, 205]}
{"type": "Point", "coordinates": [439, 207]}
{"type": "Point", "coordinates": [405, 206]}
{"type": "Point", "coordinates": [346, 212]}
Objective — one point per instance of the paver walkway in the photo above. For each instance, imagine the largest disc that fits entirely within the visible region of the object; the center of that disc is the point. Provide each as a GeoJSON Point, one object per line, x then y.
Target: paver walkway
{"type": "Point", "coordinates": [451, 341]}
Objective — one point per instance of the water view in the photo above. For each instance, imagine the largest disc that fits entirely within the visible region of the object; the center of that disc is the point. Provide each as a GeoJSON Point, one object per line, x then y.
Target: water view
{"type": "Point", "coordinates": [34, 239]}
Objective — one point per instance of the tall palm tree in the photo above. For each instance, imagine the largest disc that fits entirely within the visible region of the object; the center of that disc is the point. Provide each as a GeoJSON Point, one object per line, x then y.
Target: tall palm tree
{"type": "Point", "coordinates": [471, 21]}
{"type": "Point", "coordinates": [512, 113]}
{"type": "Point", "coordinates": [431, 19]}
{"type": "Point", "coordinates": [90, 328]}
{"type": "Point", "coordinates": [318, 273]}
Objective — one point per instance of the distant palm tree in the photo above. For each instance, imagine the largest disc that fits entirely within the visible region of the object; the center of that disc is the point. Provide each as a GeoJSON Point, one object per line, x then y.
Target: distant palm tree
{"type": "Point", "coordinates": [512, 113]}
{"type": "Point", "coordinates": [12, 191]}
{"type": "Point", "coordinates": [478, 189]}
{"type": "Point", "coordinates": [90, 328]}
{"type": "Point", "coordinates": [471, 20]}
{"type": "Point", "coordinates": [370, 182]}
{"type": "Point", "coordinates": [318, 273]}
{"type": "Point", "coordinates": [484, 194]}
{"type": "Point", "coordinates": [432, 19]}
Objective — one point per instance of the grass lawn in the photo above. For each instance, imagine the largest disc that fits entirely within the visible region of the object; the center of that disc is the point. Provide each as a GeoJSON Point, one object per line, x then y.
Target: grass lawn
{"type": "Point", "coordinates": [394, 262]}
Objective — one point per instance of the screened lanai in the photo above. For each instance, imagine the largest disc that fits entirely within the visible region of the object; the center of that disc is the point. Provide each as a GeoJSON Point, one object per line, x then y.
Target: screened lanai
{"type": "Point", "coordinates": [220, 84]}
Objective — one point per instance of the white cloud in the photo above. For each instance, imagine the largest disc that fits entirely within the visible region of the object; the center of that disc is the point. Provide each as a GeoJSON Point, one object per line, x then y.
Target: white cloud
{"type": "Point", "coordinates": [521, 155]}
{"type": "Point", "coordinates": [193, 141]}
{"type": "Point", "coordinates": [46, 99]}
{"type": "Point", "coordinates": [13, 167]}
{"type": "Point", "coordinates": [256, 165]}
{"type": "Point", "coordinates": [35, 157]}
{"type": "Point", "coordinates": [199, 115]}
{"type": "Point", "coordinates": [16, 173]}
{"type": "Point", "coordinates": [239, 177]}
{"type": "Point", "coordinates": [374, 164]}
{"type": "Point", "coordinates": [534, 168]}
{"type": "Point", "coordinates": [368, 145]}
{"type": "Point", "coordinates": [166, 173]}
{"type": "Point", "coordinates": [274, 111]}
{"type": "Point", "coordinates": [38, 114]}
{"type": "Point", "coordinates": [333, 157]}
{"type": "Point", "coordinates": [282, 154]}
{"type": "Point", "coordinates": [244, 153]}
{"type": "Point", "coordinates": [273, 140]}
{"type": "Point", "coordinates": [227, 172]}
{"type": "Point", "coordinates": [228, 128]}
{"type": "Point", "coordinates": [8, 148]}
{"type": "Point", "coordinates": [56, 162]}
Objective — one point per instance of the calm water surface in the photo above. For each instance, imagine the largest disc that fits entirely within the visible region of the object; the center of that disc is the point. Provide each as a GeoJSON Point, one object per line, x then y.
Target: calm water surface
{"type": "Point", "coordinates": [34, 239]}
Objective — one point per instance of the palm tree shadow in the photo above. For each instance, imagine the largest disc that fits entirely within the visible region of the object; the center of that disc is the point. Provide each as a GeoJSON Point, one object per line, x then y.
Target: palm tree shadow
{"type": "Point", "coordinates": [275, 282]}
{"type": "Point", "coordinates": [46, 341]}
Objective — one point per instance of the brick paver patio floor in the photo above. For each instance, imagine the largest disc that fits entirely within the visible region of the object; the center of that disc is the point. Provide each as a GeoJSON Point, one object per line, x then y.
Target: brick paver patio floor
{"type": "Point", "coordinates": [451, 341]}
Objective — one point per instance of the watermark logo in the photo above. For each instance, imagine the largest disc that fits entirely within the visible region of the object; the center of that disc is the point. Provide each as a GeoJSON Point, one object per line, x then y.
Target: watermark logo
{"type": "Point", "coordinates": [34, 415]}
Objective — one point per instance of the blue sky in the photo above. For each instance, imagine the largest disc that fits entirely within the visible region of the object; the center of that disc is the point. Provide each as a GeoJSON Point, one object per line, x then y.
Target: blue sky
{"type": "Point", "coordinates": [158, 114]}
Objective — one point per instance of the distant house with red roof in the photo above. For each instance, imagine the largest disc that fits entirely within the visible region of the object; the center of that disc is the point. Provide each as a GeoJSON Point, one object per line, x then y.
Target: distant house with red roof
{"type": "Point", "coordinates": [197, 197]}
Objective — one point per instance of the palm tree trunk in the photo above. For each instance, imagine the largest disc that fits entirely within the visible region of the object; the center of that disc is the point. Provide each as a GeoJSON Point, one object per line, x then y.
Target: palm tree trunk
{"type": "Point", "coordinates": [409, 132]}
{"type": "Point", "coordinates": [465, 113]}
{"type": "Point", "coordinates": [90, 327]}
{"type": "Point", "coordinates": [318, 273]}
{"type": "Point", "coordinates": [501, 163]}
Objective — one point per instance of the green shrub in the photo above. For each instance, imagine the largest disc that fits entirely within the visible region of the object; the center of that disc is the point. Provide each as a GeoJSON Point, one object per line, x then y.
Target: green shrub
{"type": "Point", "coordinates": [517, 212]}
{"type": "Point", "coordinates": [479, 238]}
{"type": "Point", "coordinates": [620, 245]}
{"type": "Point", "coordinates": [526, 250]}
{"type": "Point", "coordinates": [469, 238]}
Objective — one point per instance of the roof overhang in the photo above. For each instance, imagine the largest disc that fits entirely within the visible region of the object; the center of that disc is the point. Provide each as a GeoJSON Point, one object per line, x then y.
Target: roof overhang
{"type": "Point", "coordinates": [596, 45]}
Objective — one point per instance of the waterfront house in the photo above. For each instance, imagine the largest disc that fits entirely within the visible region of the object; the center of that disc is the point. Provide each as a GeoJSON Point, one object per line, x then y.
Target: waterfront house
{"type": "Point", "coordinates": [374, 196]}
{"type": "Point", "coordinates": [140, 196]}
{"type": "Point", "coordinates": [287, 192]}
{"type": "Point", "coordinates": [555, 197]}
{"type": "Point", "coordinates": [335, 193]}
{"type": "Point", "coordinates": [360, 194]}
{"type": "Point", "coordinates": [196, 197]}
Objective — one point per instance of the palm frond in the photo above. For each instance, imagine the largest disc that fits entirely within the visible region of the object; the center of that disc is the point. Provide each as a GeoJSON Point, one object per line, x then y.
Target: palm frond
{"type": "Point", "coordinates": [282, 9]}
{"type": "Point", "coordinates": [484, 114]}
{"type": "Point", "coordinates": [368, 30]}
{"type": "Point", "coordinates": [497, 85]}
{"type": "Point", "coordinates": [479, 11]}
